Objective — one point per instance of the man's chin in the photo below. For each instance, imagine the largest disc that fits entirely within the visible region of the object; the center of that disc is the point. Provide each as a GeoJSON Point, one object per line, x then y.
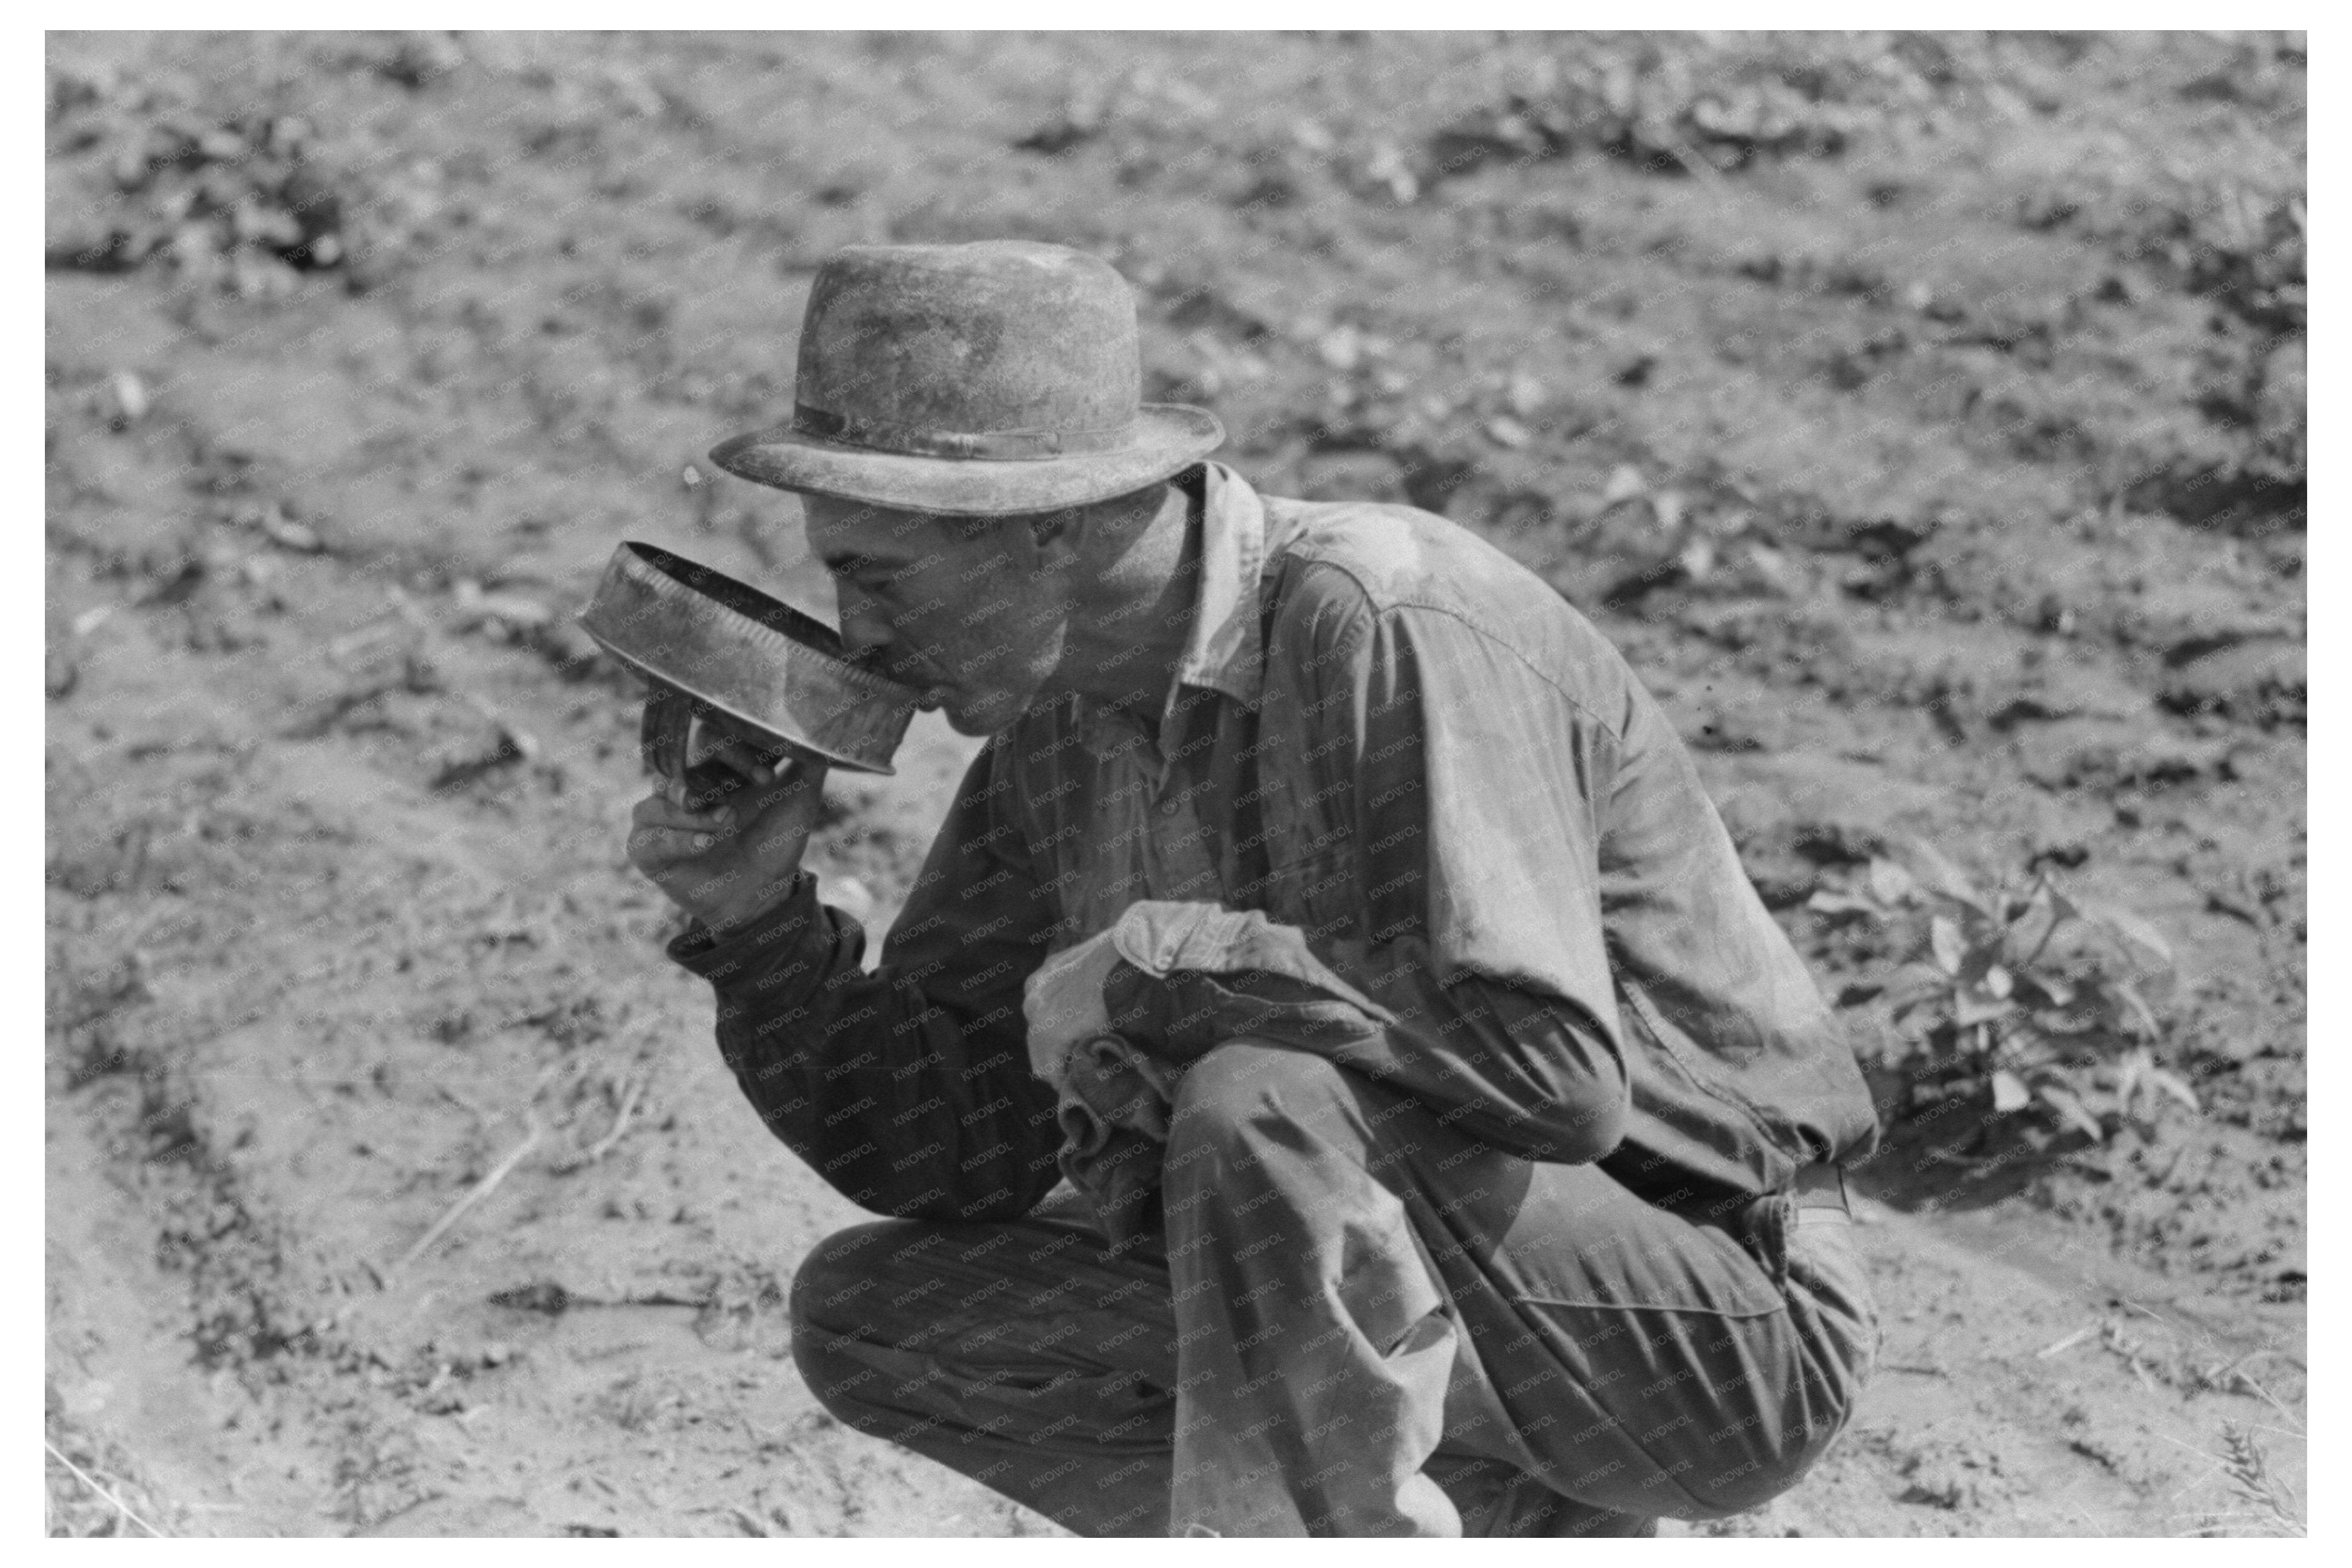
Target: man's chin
{"type": "Point", "coordinates": [977, 718]}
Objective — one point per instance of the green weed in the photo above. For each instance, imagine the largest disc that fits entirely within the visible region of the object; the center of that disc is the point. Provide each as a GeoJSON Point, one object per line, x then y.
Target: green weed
{"type": "Point", "coordinates": [2022, 996]}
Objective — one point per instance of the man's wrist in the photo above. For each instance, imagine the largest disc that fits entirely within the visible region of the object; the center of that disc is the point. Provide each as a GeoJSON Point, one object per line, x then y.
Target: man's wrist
{"type": "Point", "coordinates": [714, 952]}
{"type": "Point", "coordinates": [729, 923]}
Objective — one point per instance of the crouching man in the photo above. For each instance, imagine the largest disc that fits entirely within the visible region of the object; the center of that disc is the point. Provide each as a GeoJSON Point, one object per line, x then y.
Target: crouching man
{"type": "Point", "coordinates": [1452, 1140]}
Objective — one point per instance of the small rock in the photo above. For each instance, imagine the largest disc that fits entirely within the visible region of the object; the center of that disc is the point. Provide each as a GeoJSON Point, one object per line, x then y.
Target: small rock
{"type": "Point", "coordinates": [286, 534]}
{"type": "Point", "coordinates": [510, 610]}
{"type": "Point", "coordinates": [1342, 348]}
{"type": "Point", "coordinates": [222, 145]}
{"type": "Point", "coordinates": [1625, 483]}
{"type": "Point", "coordinates": [1388, 167]}
{"type": "Point", "coordinates": [130, 398]}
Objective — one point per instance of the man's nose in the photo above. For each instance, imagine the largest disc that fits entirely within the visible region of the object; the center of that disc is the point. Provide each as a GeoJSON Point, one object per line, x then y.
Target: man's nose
{"type": "Point", "coordinates": [866, 632]}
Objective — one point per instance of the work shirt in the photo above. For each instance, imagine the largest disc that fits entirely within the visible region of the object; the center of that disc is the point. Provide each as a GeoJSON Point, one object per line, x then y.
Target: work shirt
{"type": "Point", "coordinates": [1406, 807]}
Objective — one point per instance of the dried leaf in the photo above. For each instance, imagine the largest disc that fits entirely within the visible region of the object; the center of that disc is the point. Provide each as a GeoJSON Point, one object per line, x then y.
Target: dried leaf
{"type": "Point", "coordinates": [2009, 1092]}
{"type": "Point", "coordinates": [1997, 982]}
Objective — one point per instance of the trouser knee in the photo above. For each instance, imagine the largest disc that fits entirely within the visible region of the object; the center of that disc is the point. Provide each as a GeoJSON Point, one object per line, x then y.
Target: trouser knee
{"type": "Point", "coordinates": [833, 1300]}
{"type": "Point", "coordinates": [1242, 1087]}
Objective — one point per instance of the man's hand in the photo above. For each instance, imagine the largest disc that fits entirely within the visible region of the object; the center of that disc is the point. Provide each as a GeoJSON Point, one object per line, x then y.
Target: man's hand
{"type": "Point", "coordinates": [1063, 1004]}
{"type": "Point", "coordinates": [731, 859]}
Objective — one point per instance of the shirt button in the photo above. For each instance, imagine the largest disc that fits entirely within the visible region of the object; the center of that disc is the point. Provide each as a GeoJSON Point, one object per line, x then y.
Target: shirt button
{"type": "Point", "coordinates": [1168, 808]}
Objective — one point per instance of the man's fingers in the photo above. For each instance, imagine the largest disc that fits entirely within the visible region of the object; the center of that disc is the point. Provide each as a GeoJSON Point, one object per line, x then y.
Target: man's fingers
{"type": "Point", "coordinates": [661, 811]}
{"type": "Point", "coordinates": [664, 845]}
{"type": "Point", "coordinates": [749, 763]}
{"type": "Point", "coordinates": [797, 785]}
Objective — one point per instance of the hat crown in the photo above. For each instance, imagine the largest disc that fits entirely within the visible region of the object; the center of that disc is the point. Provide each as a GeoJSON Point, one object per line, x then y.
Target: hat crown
{"type": "Point", "coordinates": [999, 349]}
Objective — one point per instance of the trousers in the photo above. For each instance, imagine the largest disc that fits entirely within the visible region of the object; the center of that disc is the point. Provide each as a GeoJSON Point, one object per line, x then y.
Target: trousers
{"type": "Point", "coordinates": [1355, 1321]}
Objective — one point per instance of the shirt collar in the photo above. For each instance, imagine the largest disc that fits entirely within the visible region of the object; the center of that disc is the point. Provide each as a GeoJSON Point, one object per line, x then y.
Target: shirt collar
{"type": "Point", "coordinates": [1226, 650]}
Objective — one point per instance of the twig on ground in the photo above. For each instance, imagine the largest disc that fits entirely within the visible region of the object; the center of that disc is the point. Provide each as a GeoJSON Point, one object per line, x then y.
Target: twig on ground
{"type": "Point", "coordinates": [2072, 1339]}
{"type": "Point", "coordinates": [92, 1482]}
{"type": "Point", "coordinates": [555, 1300]}
{"type": "Point", "coordinates": [629, 1096]}
{"type": "Point", "coordinates": [484, 1118]}
{"type": "Point", "coordinates": [630, 1093]}
{"type": "Point", "coordinates": [474, 1195]}
{"type": "Point", "coordinates": [1697, 167]}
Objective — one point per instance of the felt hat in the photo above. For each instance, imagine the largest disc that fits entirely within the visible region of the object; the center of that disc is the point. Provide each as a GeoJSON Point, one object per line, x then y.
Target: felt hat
{"type": "Point", "coordinates": [980, 380]}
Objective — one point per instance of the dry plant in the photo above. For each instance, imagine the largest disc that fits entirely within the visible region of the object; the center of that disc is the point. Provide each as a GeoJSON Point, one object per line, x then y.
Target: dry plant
{"type": "Point", "coordinates": [2274, 1508]}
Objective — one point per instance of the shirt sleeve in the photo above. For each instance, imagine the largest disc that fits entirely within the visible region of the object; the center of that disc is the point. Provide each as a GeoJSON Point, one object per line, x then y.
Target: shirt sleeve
{"type": "Point", "coordinates": [906, 1089]}
{"type": "Point", "coordinates": [1471, 968]}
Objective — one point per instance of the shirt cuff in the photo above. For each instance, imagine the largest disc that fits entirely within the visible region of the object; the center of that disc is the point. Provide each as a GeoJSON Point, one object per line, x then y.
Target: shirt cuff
{"type": "Point", "coordinates": [796, 921]}
{"type": "Point", "coordinates": [1161, 938]}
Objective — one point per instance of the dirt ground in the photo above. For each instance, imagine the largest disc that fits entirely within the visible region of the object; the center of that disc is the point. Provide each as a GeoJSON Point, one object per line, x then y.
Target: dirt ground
{"type": "Point", "coordinates": [1924, 416]}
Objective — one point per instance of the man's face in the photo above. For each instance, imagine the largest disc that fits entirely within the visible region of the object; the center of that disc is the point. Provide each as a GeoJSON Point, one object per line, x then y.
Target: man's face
{"type": "Point", "coordinates": [966, 610]}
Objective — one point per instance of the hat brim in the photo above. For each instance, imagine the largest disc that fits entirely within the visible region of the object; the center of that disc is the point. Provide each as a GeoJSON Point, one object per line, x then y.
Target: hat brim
{"type": "Point", "coordinates": [1169, 437]}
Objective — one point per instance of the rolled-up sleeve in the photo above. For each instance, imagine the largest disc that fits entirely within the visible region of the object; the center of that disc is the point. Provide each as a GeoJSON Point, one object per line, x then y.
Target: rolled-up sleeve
{"type": "Point", "coordinates": [908, 1089]}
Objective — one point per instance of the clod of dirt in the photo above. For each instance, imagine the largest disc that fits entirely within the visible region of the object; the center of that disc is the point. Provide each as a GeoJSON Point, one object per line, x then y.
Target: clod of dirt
{"type": "Point", "coordinates": [510, 747]}
{"type": "Point", "coordinates": [538, 1296]}
{"type": "Point", "coordinates": [2261, 681]}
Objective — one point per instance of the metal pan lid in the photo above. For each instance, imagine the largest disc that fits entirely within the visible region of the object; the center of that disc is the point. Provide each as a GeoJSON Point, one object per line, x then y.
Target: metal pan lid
{"type": "Point", "coordinates": [751, 656]}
